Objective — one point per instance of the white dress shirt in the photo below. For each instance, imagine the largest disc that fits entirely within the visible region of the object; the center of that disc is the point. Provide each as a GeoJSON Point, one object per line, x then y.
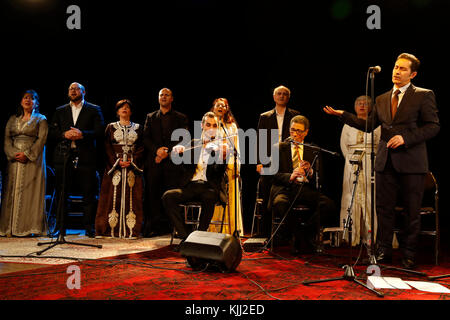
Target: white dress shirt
{"type": "Point", "coordinates": [280, 118]}
{"type": "Point", "coordinates": [200, 171]}
{"type": "Point", "coordinates": [76, 109]}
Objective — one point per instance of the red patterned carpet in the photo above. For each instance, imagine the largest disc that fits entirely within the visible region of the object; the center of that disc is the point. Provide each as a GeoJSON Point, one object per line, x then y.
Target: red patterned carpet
{"type": "Point", "coordinates": [162, 275]}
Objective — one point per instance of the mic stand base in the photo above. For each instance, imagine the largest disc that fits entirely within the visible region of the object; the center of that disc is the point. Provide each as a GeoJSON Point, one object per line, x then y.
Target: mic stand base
{"type": "Point", "coordinates": [372, 260]}
{"type": "Point", "coordinates": [439, 277]}
{"type": "Point", "coordinates": [60, 213]}
{"type": "Point", "coordinates": [62, 240]}
{"type": "Point", "coordinates": [349, 275]}
{"type": "Point", "coordinates": [417, 273]}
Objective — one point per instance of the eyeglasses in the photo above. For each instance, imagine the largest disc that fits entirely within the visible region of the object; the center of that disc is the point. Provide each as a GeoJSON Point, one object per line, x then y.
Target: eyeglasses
{"type": "Point", "coordinates": [299, 131]}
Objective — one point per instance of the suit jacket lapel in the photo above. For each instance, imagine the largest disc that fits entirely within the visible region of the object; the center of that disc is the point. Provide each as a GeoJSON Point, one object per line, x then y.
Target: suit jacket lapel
{"type": "Point", "coordinates": [309, 154]}
{"type": "Point", "coordinates": [156, 125]}
{"type": "Point", "coordinates": [81, 115]}
{"type": "Point", "coordinates": [287, 156]}
{"type": "Point", "coordinates": [384, 109]}
{"type": "Point", "coordinates": [286, 124]}
{"type": "Point", "coordinates": [405, 100]}
{"type": "Point", "coordinates": [69, 116]}
{"type": "Point", "coordinates": [273, 119]}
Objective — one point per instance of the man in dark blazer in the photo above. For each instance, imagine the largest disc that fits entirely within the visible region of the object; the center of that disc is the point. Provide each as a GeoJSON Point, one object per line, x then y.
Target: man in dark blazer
{"type": "Point", "coordinates": [203, 177]}
{"type": "Point", "coordinates": [161, 174]}
{"type": "Point", "coordinates": [296, 173]}
{"type": "Point", "coordinates": [76, 129]}
{"type": "Point", "coordinates": [408, 117]}
{"type": "Point", "coordinates": [276, 119]}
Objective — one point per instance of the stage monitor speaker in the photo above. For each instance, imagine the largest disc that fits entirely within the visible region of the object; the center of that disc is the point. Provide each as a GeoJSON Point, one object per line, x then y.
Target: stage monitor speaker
{"type": "Point", "coordinates": [219, 249]}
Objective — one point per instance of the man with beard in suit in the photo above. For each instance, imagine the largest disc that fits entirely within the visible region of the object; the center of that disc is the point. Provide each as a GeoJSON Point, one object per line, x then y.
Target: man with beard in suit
{"type": "Point", "coordinates": [76, 128]}
{"type": "Point", "coordinates": [295, 172]}
{"type": "Point", "coordinates": [203, 176]}
{"type": "Point", "coordinates": [408, 117]}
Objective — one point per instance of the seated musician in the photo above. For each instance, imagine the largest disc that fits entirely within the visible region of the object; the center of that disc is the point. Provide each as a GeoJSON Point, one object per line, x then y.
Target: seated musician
{"type": "Point", "coordinates": [203, 178]}
{"type": "Point", "coordinates": [295, 172]}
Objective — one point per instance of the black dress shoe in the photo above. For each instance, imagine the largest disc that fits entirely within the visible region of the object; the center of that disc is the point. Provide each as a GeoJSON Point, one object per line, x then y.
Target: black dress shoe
{"type": "Point", "coordinates": [295, 251]}
{"type": "Point", "coordinates": [408, 263]}
{"type": "Point", "coordinates": [151, 234]}
{"type": "Point", "coordinates": [383, 258]}
{"type": "Point", "coordinates": [177, 247]}
{"type": "Point", "coordinates": [90, 233]}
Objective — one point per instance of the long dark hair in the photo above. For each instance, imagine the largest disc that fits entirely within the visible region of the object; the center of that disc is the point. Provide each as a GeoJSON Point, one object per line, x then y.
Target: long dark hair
{"type": "Point", "coordinates": [228, 116]}
{"type": "Point", "coordinates": [35, 96]}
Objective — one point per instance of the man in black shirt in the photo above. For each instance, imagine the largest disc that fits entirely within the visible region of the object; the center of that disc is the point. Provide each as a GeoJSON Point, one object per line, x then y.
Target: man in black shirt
{"type": "Point", "coordinates": [161, 174]}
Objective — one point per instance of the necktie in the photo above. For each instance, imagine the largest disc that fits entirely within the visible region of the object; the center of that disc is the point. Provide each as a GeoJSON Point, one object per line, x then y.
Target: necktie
{"type": "Point", "coordinates": [296, 157]}
{"type": "Point", "coordinates": [394, 103]}
{"type": "Point", "coordinates": [198, 175]}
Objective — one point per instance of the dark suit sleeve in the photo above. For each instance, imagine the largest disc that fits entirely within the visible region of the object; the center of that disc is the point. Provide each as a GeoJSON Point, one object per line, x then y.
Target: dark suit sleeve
{"type": "Point", "coordinates": [360, 124]}
{"type": "Point", "coordinates": [182, 123]}
{"type": "Point", "coordinates": [283, 176]}
{"type": "Point", "coordinates": [109, 150]}
{"type": "Point", "coordinates": [260, 125]}
{"type": "Point", "coordinates": [55, 132]}
{"type": "Point", "coordinates": [97, 132]}
{"type": "Point", "coordinates": [148, 141]}
{"type": "Point", "coordinates": [428, 125]}
{"type": "Point", "coordinates": [138, 154]}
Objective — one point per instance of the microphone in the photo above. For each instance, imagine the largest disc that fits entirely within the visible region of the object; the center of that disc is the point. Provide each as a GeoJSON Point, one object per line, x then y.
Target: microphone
{"type": "Point", "coordinates": [375, 69]}
{"type": "Point", "coordinates": [291, 140]}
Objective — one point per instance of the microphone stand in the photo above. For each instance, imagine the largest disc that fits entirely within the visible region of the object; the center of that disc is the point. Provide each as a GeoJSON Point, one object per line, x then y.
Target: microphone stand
{"type": "Point", "coordinates": [349, 273]}
{"type": "Point", "coordinates": [235, 177]}
{"type": "Point", "coordinates": [439, 277]}
{"type": "Point", "coordinates": [372, 258]}
{"type": "Point", "coordinates": [316, 148]}
{"type": "Point", "coordinates": [65, 150]}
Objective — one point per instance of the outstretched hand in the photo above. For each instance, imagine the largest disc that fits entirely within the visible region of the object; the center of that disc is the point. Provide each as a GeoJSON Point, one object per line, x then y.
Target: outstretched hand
{"type": "Point", "coordinates": [333, 112]}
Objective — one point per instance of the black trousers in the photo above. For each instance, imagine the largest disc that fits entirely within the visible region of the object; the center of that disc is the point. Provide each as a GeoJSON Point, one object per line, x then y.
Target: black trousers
{"type": "Point", "coordinates": [265, 183]}
{"type": "Point", "coordinates": [321, 207]}
{"type": "Point", "coordinates": [391, 187]}
{"type": "Point", "coordinates": [83, 181]}
{"type": "Point", "coordinates": [193, 191]}
{"type": "Point", "coordinates": [159, 179]}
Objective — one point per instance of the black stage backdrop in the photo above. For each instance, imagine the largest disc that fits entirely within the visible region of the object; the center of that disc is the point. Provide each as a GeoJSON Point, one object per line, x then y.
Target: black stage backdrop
{"type": "Point", "coordinates": [240, 50]}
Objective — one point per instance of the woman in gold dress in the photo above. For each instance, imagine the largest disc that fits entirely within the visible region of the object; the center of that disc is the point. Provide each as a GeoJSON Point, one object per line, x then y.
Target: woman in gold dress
{"type": "Point", "coordinates": [233, 209]}
{"type": "Point", "coordinates": [23, 210]}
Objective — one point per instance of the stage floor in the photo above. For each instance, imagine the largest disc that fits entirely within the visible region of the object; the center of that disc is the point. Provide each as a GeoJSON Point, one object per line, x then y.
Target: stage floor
{"type": "Point", "coordinates": [161, 273]}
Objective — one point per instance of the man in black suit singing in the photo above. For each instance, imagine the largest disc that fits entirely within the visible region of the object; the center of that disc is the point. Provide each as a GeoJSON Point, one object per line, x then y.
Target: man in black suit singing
{"type": "Point", "coordinates": [276, 119]}
{"type": "Point", "coordinates": [203, 176]}
{"type": "Point", "coordinates": [408, 117]}
{"type": "Point", "coordinates": [76, 128]}
{"type": "Point", "coordinates": [161, 174]}
{"type": "Point", "coordinates": [296, 173]}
